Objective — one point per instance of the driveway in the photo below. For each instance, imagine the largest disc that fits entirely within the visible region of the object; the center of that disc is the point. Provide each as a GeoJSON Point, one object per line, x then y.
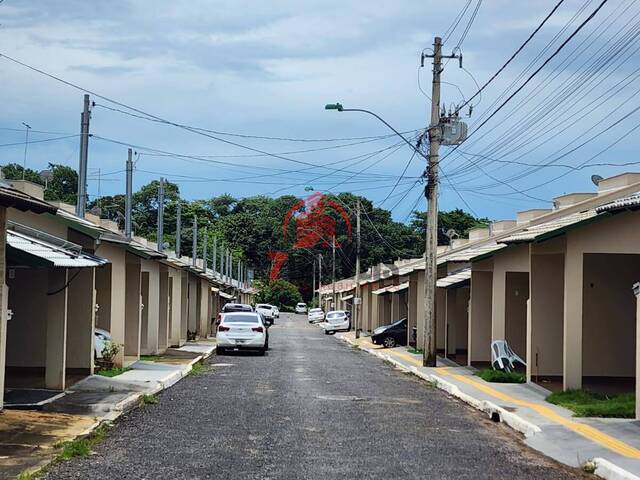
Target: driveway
{"type": "Point", "coordinates": [312, 408]}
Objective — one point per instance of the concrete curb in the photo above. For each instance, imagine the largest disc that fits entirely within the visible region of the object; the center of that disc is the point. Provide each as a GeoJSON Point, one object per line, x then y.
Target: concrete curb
{"type": "Point", "coordinates": [604, 468]}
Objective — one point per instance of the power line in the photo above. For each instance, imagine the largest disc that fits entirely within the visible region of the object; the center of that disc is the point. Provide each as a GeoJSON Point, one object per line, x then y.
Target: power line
{"type": "Point", "coordinates": [515, 54]}
{"type": "Point", "coordinates": [456, 21]}
{"type": "Point", "coordinates": [471, 20]}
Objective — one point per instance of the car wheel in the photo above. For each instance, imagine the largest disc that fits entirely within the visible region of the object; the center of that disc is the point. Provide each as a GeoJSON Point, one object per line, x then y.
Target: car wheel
{"type": "Point", "coordinates": [262, 351]}
{"type": "Point", "coordinates": [332, 332]}
{"type": "Point", "coordinates": [389, 342]}
{"type": "Point", "coordinates": [220, 351]}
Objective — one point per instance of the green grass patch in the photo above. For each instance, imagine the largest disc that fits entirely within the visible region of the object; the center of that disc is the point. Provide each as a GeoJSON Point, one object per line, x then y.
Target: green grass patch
{"type": "Point", "coordinates": [147, 399]}
{"type": "Point", "coordinates": [416, 351]}
{"type": "Point", "coordinates": [498, 376]}
{"type": "Point", "coordinates": [589, 404]}
{"type": "Point", "coordinates": [198, 369]}
{"type": "Point", "coordinates": [150, 358]}
{"type": "Point", "coordinates": [81, 447]}
{"type": "Point", "coordinates": [112, 372]}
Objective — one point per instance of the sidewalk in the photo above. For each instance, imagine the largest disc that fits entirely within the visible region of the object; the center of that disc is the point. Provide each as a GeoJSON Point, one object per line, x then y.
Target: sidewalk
{"type": "Point", "coordinates": [613, 444]}
{"type": "Point", "coordinates": [28, 438]}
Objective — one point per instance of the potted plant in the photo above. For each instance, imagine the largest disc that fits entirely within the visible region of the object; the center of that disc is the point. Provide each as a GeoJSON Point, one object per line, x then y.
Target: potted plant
{"type": "Point", "coordinates": [109, 352]}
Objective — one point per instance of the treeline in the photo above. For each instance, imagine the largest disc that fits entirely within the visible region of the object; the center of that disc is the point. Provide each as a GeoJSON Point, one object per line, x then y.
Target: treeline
{"type": "Point", "coordinates": [253, 226]}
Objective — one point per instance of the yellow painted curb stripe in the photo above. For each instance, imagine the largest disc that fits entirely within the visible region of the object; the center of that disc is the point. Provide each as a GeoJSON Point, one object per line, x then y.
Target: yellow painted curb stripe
{"type": "Point", "coordinates": [587, 431]}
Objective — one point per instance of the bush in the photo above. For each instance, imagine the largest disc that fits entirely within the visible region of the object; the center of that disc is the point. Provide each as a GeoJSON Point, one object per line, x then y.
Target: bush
{"type": "Point", "coordinates": [498, 376]}
{"type": "Point", "coordinates": [278, 292]}
{"type": "Point", "coordinates": [589, 404]}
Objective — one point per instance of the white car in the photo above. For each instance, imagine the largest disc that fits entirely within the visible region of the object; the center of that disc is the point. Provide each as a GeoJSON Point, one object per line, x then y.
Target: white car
{"type": "Point", "coordinates": [336, 321]}
{"type": "Point", "coordinates": [242, 330]}
{"type": "Point", "coordinates": [301, 308]}
{"type": "Point", "coordinates": [315, 315]}
{"type": "Point", "coordinates": [101, 338]}
{"type": "Point", "coordinates": [267, 311]}
{"type": "Point", "coordinates": [276, 311]}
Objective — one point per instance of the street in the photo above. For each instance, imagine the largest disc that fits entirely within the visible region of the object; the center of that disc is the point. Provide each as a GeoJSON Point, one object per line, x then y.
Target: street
{"type": "Point", "coordinates": [312, 408]}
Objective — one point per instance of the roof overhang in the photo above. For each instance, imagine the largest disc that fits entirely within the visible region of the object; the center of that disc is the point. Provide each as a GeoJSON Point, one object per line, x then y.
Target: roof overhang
{"type": "Point", "coordinates": [455, 279]}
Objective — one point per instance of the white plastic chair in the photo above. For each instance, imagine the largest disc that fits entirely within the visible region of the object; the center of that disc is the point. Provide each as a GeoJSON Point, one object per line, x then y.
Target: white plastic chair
{"type": "Point", "coordinates": [502, 357]}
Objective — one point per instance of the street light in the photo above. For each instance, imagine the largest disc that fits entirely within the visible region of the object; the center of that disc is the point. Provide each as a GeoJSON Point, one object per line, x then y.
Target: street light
{"type": "Point", "coordinates": [26, 144]}
{"type": "Point", "coordinates": [338, 107]}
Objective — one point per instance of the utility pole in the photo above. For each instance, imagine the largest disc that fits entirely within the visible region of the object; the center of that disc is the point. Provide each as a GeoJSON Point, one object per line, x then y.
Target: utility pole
{"type": "Point", "coordinates": [26, 146]}
{"type": "Point", "coordinates": [214, 255]}
{"type": "Point", "coordinates": [431, 192]}
{"type": "Point", "coordinates": [333, 270]}
{"type": "Point", "coordinates": [222, 261]}
{"type": "Point", "coordinates": [160, 233]}
{"type": "Point", "coordinates": [194, 247]}
{"type": "Point", "coordinates": [128, 199]}
{"type": "Point", "coordinates": [204, 250]}
{"type": "Point", "coordinates": [357, 300]}
{"type": "Point", "coordinates": [319, 279]}
{"type": "Point", "coordinates": [178, 228]}
{"type": "Point", "coordinates": [313, 291]}
{"type": "Point", "coordinates": [81, 202]}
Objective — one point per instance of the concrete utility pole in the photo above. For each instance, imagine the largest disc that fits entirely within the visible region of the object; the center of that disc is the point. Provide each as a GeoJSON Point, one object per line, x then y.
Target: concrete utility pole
{"type": "Point", "coordinates": [214, 255]}
{"type": "Point", "coordinates": [27, 127]}
{"type": "Point", "coordinates": [194, 247]}
{"type": "Point", "coordinates": [313, 291]}
{"type": "Point", "coordinates": [81, 202]}
{"type": "Point", "coordinates": [357, 301]}
{"type": "Point", "coordinates": [222, 261]}
{"type": "Point", "coordinates": [319, 279]}
{"type": "Point", "coordinates": [204, 250]}
{"type": "Point", "coordinates": [431, 192]}
{"type": "Point", "coordinates": [333, 268]}
{"type": "Point", "coordinates": [128, 199]}
{"type": "Point", "coordinates": [178, 228]}
{"type": "Point", "coordinates": [160, 233]}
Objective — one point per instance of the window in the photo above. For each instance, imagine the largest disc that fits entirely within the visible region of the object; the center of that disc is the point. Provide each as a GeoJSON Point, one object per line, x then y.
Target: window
{"type": "Point", "coordinates": [233, 318]}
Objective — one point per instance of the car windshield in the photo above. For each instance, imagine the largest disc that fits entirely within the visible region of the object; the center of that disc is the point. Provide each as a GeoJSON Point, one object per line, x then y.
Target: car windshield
{"type": "Point", "coordinates": [302, 304]}
{"type": "Point", "coordinates": [335, 315]}
{"type": "Point", "coordinates": [237, 308]}
{"type": "Point", "coordinates": [399, 323]}
{"type": "Point", "coordinates": [263, 306]}
{"type": "Point", "coordinates": [233, 318]}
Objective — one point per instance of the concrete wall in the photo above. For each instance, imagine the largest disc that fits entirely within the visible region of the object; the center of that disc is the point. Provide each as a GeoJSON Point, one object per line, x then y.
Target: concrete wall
{"type": "Point", "coordinates": [457, 317]}
{"type": "Point", "coordinates": [27, 330]}
{"type": "Point", "coordinates": [547, 296]}
{"type": "Point", "coordinates": [132, 309]}
{"type": "Point", "coordinates": [516, 296]}
{"type": "Point", "coordinates": [164, 302]}
{"type": "Point", "coordinates": [480, 316]}
{"type": "Point", "coordinates": [150, 315]}
{"type": "Point", "coordinates": [441, 318]}
{"type": "Point", "coordinates": [609, 308]}
{"type": "Point", "coordinates": [512, 259]}
{"type": "Point", "coordinates": [81, 319]}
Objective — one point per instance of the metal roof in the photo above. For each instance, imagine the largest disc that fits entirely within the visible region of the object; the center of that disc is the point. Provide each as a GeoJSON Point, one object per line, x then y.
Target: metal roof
{"type": "Point", "coordinates": [548, 229]}
{"type": "Point", "coordinates": [10, 197]}
{"type": "Point", "coordinates": [57, 252]}
{"type": "Point", "coordinates": [454, 278]}
{"type": "Point", "coordinates": [225, 295]}
{"type": "Point", "coordinates": [348, 297]}
{"type": "Point", "coordinates": [620, 204]}
{"type": "Point", "coordinates": [398, 288]}
{"type": "Point", "coordinates": [467, 254]}
{"type": "Point", "coordinates": [382, 290]}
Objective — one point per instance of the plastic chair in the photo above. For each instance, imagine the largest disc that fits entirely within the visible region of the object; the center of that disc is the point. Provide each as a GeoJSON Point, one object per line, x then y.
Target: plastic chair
{"type": "Point", "coordinates": [502, 357]}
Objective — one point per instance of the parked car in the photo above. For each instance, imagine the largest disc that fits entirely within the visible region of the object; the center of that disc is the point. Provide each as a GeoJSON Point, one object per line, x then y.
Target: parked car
{"type": "Point", "coordinates": [391, 335]}
{"type": "Point", "coordinates": [236, 307]}
{"type": "Point", "coordinates": [301, 308]}
{"type": "Point", "coordinates": [315, 315]}
{"type": "Point", "coordinates": [276, 311]}
{"type": "Point", "coordinates": [101, 338]}
{"type": "Point", "coordinates": [267, 311]}
{"type": "Point", "coordinates": [242, 331]}
{"type": "Point", "coordinates": [336, 321]}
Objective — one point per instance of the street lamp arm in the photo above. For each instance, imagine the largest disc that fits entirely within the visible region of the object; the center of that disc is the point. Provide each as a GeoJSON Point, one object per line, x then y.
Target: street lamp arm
{"type": "Point", "coordinates": [417, 150]}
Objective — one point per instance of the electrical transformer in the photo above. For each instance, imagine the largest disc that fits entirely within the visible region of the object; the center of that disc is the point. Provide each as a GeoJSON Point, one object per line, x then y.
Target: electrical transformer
{"type": "Point", "coordinates": [454, 131]}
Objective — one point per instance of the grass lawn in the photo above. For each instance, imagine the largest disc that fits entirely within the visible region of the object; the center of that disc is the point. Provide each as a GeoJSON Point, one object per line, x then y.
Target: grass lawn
{"type": "Point", "coordinates": [416, 351]}
{"type": "Point", "coordinates": [112, 372]}
{"type": "Point", "coordinates": [150, 358]}
{"type": "Point", "coordinates": [498, 376]}
{"type": "Point", "coordinates": [588, 404]}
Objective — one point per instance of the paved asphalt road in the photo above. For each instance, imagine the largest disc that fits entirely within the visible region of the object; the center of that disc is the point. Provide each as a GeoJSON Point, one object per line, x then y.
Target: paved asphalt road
{"type": "Point", "coordinates": [313, 408]}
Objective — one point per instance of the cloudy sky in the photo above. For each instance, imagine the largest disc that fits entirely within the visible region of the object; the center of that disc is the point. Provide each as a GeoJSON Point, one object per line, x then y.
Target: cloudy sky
{"type": "Point", "coordinates": [266, 69]}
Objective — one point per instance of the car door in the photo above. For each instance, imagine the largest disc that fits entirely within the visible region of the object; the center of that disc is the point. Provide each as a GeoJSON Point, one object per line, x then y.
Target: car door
{"type": "Point", "coordinates": [400, 332]}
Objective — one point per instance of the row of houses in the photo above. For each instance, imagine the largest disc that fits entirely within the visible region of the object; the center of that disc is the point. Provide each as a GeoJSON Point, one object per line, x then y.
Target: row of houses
{"type": "Point", "coordinates": [557, 284]}
{"type": "Point", "coordinates": [65, 276]}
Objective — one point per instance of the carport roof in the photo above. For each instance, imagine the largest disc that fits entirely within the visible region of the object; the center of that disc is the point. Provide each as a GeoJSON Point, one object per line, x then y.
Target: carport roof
{"type": "Point", "coordinates": [632, 201]}
{"type": "Point", "coordinates": [54, 251]}
{"type": "Point", "coordinates": [454, 278]}
{"type": "Point", "coordinates": [471, 253]}
{"type": "Point", "coordinates": [550, 229]}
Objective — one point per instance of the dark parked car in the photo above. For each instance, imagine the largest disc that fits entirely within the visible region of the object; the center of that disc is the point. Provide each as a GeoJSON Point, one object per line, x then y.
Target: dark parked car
{"type": "Point", "coordinates": [391, 335]}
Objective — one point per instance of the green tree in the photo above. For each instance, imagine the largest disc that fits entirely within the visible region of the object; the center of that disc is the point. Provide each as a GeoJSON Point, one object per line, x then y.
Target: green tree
{"type": "Point", "coordinates": [62, 187]}
{"type": "Point", "coordinates": [457, 220]}
{"type": "Point", "coordinates": [278, 292]}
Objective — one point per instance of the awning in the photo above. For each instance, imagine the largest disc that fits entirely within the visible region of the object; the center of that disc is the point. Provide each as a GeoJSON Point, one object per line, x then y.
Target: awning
{"type": "Point", "coordinates": [214, 289]}
{"type": "Point", "coordinates": [54, 251]}
{"type": "Point", "coordinates": [382, 290]}
{"type": "Point", "coordinates": [348, 297]}
{"type": "Point", "coordinates": [454, 278]}
{"type": "Point", "coordinates": [225, 295]}
{"type": "Point", "coordinates": [398, 288]}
